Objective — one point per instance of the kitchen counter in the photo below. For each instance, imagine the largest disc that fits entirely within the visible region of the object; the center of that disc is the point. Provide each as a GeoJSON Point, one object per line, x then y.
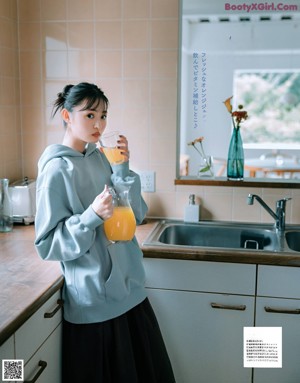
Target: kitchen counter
{"type": "Point", "coordinates": [224, 255]}
{"type": "Point", "coordinates": [26, 281]}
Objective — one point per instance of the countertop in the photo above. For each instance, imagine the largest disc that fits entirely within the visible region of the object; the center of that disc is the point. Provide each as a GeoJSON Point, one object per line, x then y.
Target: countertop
{"type": "Point", "coordinates": [26, 281]}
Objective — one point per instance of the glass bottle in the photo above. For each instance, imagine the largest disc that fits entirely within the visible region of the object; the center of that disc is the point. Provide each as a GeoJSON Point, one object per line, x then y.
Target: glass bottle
{"type": "Point", "coordinates": [122, 224]}
{"type": "Point", "coordinates": [6, 213]}
{"type": "Point", "coordinates": [235, 161]}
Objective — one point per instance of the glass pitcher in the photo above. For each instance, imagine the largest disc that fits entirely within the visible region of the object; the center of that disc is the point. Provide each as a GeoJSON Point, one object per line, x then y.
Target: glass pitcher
{"type": "Point", "coordinates": [6, 213]}
{"type": "Point", "coordinates": [122, 224]}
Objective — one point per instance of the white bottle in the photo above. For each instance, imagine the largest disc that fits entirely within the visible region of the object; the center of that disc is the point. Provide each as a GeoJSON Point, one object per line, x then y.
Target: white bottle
{"type": "Point", "coordinates": [192, 211]}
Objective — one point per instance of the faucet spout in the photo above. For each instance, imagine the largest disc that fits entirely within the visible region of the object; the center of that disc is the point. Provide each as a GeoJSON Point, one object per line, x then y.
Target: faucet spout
{"type": "Point", "coordinates": [279, 216]}
{"type": "Point", "coordinates": [250, 201]}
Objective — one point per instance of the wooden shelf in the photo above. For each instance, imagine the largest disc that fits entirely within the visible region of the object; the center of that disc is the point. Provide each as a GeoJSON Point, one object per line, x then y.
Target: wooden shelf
{"type": "Point", "coordinates": [247, 182]}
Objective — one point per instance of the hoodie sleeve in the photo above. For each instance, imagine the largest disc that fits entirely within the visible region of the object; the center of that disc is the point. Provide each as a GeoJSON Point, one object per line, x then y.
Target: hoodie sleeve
{"type": "Point", "coordinates": [61, 234]}
{"type": "Point", "coordinates": [124, 177]}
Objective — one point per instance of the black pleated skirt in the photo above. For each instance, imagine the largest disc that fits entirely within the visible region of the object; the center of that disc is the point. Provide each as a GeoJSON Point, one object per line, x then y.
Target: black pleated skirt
{"type": "Point", "coordinates": [126, 349]}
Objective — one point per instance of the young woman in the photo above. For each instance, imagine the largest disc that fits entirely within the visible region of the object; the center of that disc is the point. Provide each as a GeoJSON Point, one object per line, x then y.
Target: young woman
{"type": "Point", "coordinates": [110, 333]}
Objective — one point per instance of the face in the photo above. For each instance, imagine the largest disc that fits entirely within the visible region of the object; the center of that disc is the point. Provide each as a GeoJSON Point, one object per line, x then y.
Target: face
{"type": "Point", "coordinates": [84, 126]}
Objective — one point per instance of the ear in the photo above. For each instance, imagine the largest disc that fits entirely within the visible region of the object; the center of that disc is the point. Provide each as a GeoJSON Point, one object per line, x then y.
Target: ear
{"type": "Point", "coordinates": [65, 115]}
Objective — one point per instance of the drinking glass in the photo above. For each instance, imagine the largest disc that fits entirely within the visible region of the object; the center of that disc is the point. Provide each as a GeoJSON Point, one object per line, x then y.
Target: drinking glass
{"type": "Point", "coordinates": [109, 145]}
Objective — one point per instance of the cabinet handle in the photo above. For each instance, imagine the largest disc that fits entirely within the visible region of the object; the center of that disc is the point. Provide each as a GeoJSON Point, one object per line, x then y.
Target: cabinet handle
{"type": "Point", "coordinates": [42, 365]}
{"type": "Point", "coordinates": [228, 307]}
{"type": "Point", "coordinates": [60, 303]}
{"type": "Point", "coordinates": [281, 311]}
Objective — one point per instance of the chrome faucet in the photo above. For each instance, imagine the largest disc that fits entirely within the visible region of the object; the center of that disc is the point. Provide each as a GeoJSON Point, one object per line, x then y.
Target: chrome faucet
{"type": "Point", "coordinates": [279, 216]}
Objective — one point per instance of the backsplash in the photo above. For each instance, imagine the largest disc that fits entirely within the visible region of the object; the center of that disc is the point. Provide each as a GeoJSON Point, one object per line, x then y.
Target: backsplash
{"type": "Point", "coordinates": [129, 48]}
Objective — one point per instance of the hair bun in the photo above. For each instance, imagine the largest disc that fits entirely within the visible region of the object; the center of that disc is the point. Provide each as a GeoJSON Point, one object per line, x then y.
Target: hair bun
{"type": "Point", "coordinates": [66, 90]}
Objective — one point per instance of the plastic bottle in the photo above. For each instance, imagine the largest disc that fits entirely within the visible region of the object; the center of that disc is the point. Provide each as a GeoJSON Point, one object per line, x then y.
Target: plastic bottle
{"type": "Point", "coordinates": [192, 211]}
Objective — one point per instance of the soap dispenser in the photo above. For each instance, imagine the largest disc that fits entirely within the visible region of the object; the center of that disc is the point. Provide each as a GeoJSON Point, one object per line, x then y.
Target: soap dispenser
{"type": "Point", "coordinates": [192, 211]}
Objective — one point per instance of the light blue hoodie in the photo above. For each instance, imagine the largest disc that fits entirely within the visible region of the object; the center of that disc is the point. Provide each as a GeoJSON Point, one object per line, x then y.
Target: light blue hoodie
{"type": "Point", "coordinates": [102, 279]}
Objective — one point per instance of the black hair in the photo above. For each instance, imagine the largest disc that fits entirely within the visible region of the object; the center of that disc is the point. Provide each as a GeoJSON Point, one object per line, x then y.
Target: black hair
{"type": "Point", "coordinates": [73, 95]}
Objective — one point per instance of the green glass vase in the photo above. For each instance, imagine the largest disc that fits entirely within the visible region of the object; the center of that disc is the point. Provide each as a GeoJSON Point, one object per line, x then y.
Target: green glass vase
{"type": "Point", "coordinates": [235, 161]}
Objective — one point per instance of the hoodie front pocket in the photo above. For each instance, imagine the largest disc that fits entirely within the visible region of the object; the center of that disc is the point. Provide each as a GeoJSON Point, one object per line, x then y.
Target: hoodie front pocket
{"type": "Point", "coordinates": [127, 272]}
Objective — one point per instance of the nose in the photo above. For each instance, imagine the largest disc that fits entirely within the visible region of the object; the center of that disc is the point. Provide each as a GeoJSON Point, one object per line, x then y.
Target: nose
{"type": "Point", "coordinates": [97, 124]}
{"type": "Point", "coordinates": [100, 125]}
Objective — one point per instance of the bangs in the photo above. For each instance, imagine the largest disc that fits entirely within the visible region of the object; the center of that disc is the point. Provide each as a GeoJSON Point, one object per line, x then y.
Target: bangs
{"type": "Point", "coordinates": [93, 102]}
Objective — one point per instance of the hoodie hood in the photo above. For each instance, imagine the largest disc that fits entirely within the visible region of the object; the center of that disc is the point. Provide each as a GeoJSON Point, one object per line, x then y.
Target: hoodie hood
{"type": "Point", "coordinates": [59, 151]}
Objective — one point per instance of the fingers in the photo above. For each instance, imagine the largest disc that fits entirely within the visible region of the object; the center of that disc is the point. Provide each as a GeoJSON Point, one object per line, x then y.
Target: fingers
{"type": "Point", "coordinates": [105, 193]}
{"type": "Point", "coordinates": [123, 145]}
{"type": "Point", "coordinates": [103, 205]}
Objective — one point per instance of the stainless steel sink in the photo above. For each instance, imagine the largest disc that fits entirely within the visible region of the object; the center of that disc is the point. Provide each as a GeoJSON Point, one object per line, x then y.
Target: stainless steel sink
{"type": "Point", "coordinates": [228, 235]}
{"type": "Point", "coordinates": [293, 240]}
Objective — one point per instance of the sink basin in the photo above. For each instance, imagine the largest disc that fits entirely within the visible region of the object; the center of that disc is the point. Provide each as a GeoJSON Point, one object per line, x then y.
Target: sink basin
{"type": "Point", "coordinates": [215, 234]}
{"type": "Point", "coordinates": [218, 236]}
{"type": "Point", "coordinates": [293, 240]}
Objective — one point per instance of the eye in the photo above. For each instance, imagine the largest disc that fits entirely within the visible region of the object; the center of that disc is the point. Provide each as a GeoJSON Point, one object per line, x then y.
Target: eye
{"type": "Point", "coordinates": [104, 117]}
{"type": "Point", "coordinates": [90, 116]}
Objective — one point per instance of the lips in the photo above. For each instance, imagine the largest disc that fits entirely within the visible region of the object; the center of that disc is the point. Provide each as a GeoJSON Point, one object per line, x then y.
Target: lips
{"type": "Point", "coordinates": [96, 135]}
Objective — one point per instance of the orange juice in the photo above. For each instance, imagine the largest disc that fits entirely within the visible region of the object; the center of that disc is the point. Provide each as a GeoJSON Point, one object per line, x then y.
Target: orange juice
{"type": "Point", "coordinates": [121, 225]}
{"type": "Point", "coordinates": [113, 155]}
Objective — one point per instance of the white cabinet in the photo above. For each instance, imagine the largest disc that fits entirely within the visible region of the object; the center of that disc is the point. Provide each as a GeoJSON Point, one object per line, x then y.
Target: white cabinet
{"type": "Point", "coordinates": [7, 351]}
{"type": "Point", "coordinates": [202, 308]}
{"type": "Point", "coordinates": [37, 328]}
{"type": "Point", "coordinates": [273, 309]}
{"type": "Point", "coordinates": [38, 343]}
{"type": "Point", "coordinates": [50, 354]}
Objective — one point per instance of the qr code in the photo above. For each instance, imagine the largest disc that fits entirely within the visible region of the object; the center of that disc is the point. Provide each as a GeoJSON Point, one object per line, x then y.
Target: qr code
{"type": "Point", "coordinates": [13, 369]}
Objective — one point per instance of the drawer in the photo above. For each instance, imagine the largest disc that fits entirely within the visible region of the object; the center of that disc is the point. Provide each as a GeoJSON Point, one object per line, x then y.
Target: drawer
{"type": "Point", "coordinates": [231, 278]}
{"type": "Point", "coordinates": [37, 328]}
{"type": "Point", "coordinates": [278, 281]}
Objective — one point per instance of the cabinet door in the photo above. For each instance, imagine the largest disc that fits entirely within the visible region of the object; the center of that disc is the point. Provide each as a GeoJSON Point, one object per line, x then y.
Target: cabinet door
{"type": "Point", "coordinates": [37, 328]}
{"type": "Point", "coordinates": [205, 344]}
{"type": "Point", "coordinates": [7, 351]}
{"type": "Point", "coordinates": [51, 353]}
{"type": "Point", "coordinates": [290, 323]}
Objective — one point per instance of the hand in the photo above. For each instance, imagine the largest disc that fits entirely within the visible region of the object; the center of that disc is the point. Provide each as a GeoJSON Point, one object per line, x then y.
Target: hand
{"type": "Point", "coordinates": [123, 145]}
{"type": "Point", "coordinates": [103, 205]}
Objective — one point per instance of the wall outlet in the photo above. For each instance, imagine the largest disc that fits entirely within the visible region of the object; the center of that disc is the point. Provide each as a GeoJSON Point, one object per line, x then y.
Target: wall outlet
{"type": "Point", "coordinates": [147, 181]}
